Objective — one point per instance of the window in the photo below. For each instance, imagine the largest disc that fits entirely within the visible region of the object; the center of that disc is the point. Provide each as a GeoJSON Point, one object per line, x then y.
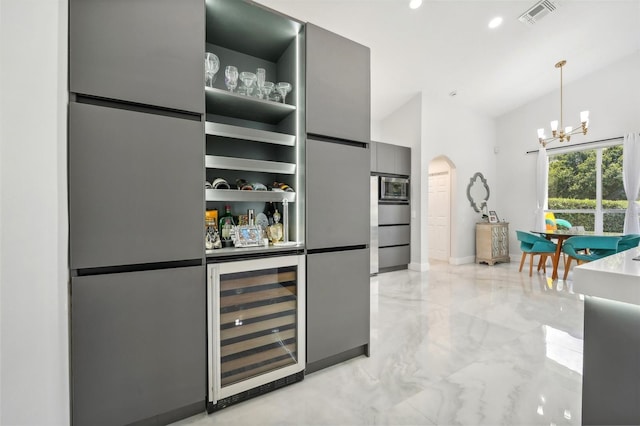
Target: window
{"type": "Point", "coordinates": [586, 188]}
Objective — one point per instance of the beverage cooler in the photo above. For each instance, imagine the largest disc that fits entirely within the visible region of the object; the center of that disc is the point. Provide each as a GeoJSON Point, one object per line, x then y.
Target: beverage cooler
{"type": "Point", "coordinates": [256, 327]}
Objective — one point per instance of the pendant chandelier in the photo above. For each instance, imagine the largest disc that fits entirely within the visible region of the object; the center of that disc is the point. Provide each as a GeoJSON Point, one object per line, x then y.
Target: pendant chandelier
{"type": "Point", "coordinates": [564, 133]}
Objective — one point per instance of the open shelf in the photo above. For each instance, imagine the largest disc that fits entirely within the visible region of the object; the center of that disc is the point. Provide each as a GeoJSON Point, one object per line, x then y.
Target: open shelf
{"type": "Point", "coordinates": [247, 133]}
{"type": "Point", "coordinates": [223, 102]}
{"type": "Point", "coordinates": [245, 164]}
{"type": "Point", "coordinates": [233, 195]}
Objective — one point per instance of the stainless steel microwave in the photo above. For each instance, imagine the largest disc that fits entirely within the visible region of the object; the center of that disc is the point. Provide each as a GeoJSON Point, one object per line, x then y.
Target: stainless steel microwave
{"type": "Point", "coordinates": [394, 189]}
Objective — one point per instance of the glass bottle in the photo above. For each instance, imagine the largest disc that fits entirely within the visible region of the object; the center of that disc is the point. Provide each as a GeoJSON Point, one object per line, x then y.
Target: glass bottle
{"type": "Point", "coordinates": [226, 224]}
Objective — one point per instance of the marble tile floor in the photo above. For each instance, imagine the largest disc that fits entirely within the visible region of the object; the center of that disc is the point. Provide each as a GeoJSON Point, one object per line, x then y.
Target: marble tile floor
{"type": "Point", "coordinates": [456, 345]}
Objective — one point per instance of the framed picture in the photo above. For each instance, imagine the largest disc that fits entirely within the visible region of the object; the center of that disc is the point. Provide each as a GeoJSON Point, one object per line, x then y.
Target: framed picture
{"type": "Point", "coordinates": [493, 217]}
{"type": "Point", "coordinates": [248, 236]}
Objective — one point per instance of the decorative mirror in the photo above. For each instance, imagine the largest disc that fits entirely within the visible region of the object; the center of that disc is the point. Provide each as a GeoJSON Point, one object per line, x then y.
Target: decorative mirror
{"type": "Point", "coordinates": [478, 192]}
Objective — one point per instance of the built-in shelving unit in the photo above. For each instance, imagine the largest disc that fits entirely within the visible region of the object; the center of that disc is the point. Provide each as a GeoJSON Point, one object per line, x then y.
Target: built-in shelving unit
{"type": "Point", "coordinates": [231, 104]}
{"type": "Point", "coordinates": [250, 139]}
{"type": "Point", "coordinates": [246, 133]}
{"type": "Point", "coordinates": [234, 195]}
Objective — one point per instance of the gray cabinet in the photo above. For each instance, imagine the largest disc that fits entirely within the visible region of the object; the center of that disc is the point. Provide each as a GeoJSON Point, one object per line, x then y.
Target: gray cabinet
{"type": "Point", "coordinates": [135, 187]}
{"type": "Point", "coordinates": [394, 214]}
{"type": "Point", "coordinates": [391, 159]}
{"type": "Point", "coordinates": [338, 319]}
{"type": "Point", "coordinates": [395, 236]}
{"type": "Point", "coordinates": [144, 51]}
{"type": "Point", "coordinates": [337, 195]}
{"type": "Point", "coordinates": [396, 257]}
{"type": "Point", "coordinates": [137, 345]}
{"type": "Point", "coordinates": [337, 107]}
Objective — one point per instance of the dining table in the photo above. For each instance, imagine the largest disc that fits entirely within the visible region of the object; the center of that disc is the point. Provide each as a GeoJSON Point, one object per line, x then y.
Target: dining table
{"type": "Point", "coordinates": [560, 237]}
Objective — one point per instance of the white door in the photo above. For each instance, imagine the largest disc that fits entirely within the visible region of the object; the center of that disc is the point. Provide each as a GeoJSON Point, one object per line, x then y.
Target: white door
{"type": "Point", "coordinates": [438, 216]}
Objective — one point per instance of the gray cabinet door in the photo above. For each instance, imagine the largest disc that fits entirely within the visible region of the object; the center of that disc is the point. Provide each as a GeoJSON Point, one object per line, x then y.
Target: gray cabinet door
{"type": "Point", "coordinates": [143, 51]}
{"type": "Point", "coordinates": [338, 86]}
{"type": "Point", "coordinates": [394, 214]}
{"type": "Point", "coordinates": [386, 158]}
{"type": "Point", "coordinates": [137, 344]}
{"type": "Point", "coordinates": [338, 293]}
{"type": "Point", "coordinates": [403, 160]}
{"type": "Point", "coordinates": [394, 235]}
{"type": "Point", "coordinates": [135, 187]}
{"type": "Point", "coordinates": [389, 257]}
{"type": "Point", "coordinates": [337, 195]}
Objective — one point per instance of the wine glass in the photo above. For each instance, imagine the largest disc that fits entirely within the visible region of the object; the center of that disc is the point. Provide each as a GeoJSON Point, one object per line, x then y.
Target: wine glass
{"type": "Point", "coordinates": [231, 77]}
{"type": "Point", "coordinates": [260, 77]}
{"type": "Point", "coordinates": [267, 88]}
{"type": "Point", "coordinates": [211, 67]}
{"type": "Point", "coordinates": [248, 78]}
{"type": "Point", "coordinates": [283, 88]}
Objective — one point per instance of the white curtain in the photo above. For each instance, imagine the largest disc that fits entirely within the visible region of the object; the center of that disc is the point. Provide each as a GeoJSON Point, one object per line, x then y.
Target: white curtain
{"type": "Point", "coordinates": [542, 190]}
{"type": "Point", "coordinates": [631, 180]}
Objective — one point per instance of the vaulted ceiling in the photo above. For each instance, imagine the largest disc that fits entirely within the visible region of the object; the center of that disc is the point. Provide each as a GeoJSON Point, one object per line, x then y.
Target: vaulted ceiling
{"type": "Point", "coordinates": [446, 46]}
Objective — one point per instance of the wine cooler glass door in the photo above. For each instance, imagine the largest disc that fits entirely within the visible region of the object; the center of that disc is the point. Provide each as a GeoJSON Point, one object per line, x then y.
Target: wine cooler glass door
{"type": "Point", "coordinates": [256, 323]}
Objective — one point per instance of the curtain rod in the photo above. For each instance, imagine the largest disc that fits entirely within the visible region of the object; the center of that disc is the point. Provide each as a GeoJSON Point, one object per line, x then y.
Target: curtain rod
{"type": "Point", "coordinates": [578, 144]}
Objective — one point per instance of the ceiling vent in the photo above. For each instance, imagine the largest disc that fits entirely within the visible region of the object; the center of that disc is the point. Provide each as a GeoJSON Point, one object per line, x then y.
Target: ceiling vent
{"type": "Point", "coordinates": [537, 12]}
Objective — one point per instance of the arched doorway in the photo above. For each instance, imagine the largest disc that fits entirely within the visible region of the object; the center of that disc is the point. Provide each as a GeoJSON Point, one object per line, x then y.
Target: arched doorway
{"type": "Point", "coordinates": [439, 208]}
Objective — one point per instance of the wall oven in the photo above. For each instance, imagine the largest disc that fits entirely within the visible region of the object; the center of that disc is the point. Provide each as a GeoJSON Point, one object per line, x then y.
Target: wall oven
{"type": "Point", "coordinates": [256, 323]}
{"type": "Point", "coordinates": [394, 189]}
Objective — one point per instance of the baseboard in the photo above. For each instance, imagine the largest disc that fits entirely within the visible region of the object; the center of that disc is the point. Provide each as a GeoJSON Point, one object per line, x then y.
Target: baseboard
{"type": "Point", "coordinates": [336, 359]}
{"type": "Point", "coordinates": [420, 267]}
{"type": "Point", "coordinates": [462, 260]}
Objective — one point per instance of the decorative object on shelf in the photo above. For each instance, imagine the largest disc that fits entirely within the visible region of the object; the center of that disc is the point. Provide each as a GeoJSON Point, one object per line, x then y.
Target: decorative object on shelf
{"type": "Point", "coordinates": [261, 74]}
{"type": "Point", "coordinates": [262, 221]}
{"type": "Point", "coordinates": [478, 192]}
{"type": "Point", "coordinates": [231, 77]}
{"type": "Point", "coordinates": [564, 133]}
{"type": "Point", "coordinates": [493, 217]}
{"type": "Point", "coordinates": [267, 88]}
{"type": "Point", "coordinates": [227, 224]}
{"type": "Point", "coordinates": [211, 67]}
{"type": "Point", "coordinates": [220, 183]}
{"type": "Point", "coordinates": [248, 236]}
{"type": "Point", "coordinates": [243, 185]}
{"type": "Point", "coordinates": [275, 231]}
{"type": "Point", "coordinates": [285, 220]}
{"type": "Point", "coordinates": [247, 79]}
{"type": "Point", "coordinates": [257, 186]}
{"type": "Point", "coordinates": [283, 88]}
{"type": "Point", "coordinates": [280, 186]}
{"type": "Point", "coordinates": [211, 237]}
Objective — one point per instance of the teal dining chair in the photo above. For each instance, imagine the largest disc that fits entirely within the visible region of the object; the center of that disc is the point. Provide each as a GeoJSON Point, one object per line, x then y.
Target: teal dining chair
{"type": "Point", "coordinates": [628, 242]}
{"type": "Point", "coordinates": [586, 248]}
{"type": "Point", "coordinates": [534, 245]}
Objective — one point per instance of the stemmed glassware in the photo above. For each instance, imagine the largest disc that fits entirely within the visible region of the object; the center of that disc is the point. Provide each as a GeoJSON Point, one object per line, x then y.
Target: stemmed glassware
{"type": "Point", "coordinates": [248, 78]}
{"type": "Point", "coordinates": [267, 88]}
{"type": "Point", "coordinates": [211, 67]}
{"type": "Point", "coordinates": [283, 88]}
{"type": "Point", "coordinates": [261, 74]}
{"type": "Point", "coordinates": [231, 77]}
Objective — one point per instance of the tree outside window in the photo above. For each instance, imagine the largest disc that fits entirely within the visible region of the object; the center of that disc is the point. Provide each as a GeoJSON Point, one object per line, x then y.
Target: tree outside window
{"type": "Point", "coordinates": [586, 188]}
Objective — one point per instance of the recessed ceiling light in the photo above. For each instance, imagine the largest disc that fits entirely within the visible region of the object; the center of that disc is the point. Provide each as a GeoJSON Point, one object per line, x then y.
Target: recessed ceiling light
{"type": "Point", "coordinates": [495, 22]}
{"type": "Point", "coordinates": [414, 4]}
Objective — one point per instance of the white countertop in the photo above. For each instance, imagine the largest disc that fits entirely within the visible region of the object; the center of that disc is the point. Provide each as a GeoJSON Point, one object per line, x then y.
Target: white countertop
{"type": "Point", "coordinates": [615, 277]}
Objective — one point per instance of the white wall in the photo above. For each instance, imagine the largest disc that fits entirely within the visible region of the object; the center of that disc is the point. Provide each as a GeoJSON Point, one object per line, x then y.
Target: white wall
{"type": "Point", "coordinates": [402, 127]}
{"type": "Point", "coordinates": [468, 140]}
{"type": "Point", "coordinates": [33, 217]}
{"type": "Point", "coordinates": [612, 95]}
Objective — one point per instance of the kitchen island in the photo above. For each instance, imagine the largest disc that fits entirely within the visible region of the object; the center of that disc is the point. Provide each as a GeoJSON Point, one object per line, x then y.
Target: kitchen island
{"type": "Point", "coordinates": [611, 371]}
